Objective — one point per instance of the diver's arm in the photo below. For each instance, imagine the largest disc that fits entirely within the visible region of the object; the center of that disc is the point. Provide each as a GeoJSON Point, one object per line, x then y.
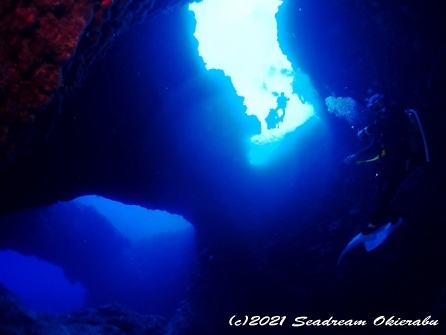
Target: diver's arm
{"type": "Point", "coordinates": [364, 153]}
{"type": "Point", "coordinates": [370, 149]}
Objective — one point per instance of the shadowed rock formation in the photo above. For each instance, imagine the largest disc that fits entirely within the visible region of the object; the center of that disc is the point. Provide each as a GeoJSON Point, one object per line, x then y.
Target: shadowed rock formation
{"type": "Point", "coordinates": [46, 48]}
{"type": "Point", "coordinates": [173, 152]}
{"type": "Point", "coordinates": [107, 319]}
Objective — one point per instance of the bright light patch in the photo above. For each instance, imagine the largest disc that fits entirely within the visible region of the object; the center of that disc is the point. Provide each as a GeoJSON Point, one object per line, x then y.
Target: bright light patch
{"type": "Point", "coordinates": [240, 38]}
{"type": "Point", "coordinates": [136, 222]}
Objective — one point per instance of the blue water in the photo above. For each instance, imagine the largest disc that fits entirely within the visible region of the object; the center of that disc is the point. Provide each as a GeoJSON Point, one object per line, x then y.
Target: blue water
{"type": "Point", "coordinates": [151, 268]}
{"type": "Point", "coordinates": [112, 253]}
{"type": "Point", "coordinates": [145, 259]}
{"type": "Point", "coordinates": [136, 222]}
{"type": "Point", "coordinates": [40, 285]}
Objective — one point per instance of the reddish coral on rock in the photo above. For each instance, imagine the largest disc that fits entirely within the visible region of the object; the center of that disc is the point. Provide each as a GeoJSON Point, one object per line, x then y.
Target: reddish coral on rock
{"type": "Point", "coordinates": [46, 47]}
{"type": "Point", "coordinates": [36, 38]}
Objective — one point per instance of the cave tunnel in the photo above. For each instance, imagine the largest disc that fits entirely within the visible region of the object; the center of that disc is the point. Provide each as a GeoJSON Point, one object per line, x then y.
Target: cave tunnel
{"type": "Point", "coordinates": [113, 253]}
{"type": "Point", "coordinates": [190, 168]}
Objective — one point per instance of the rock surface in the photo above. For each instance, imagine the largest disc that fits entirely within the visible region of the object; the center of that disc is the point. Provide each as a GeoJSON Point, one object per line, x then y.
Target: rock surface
{"type": "Point", "coordinates": [46, 48]}
{"type": "Point", "coordinates": [285, 252]}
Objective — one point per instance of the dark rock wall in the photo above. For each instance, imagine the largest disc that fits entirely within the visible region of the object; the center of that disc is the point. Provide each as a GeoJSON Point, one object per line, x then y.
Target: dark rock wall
{"type": "Point", "coordinates": [108, 319]}
{"type": "Point", "coordinates": [285, 256]}
{"type": "Point", "coordinates": [46, 48]}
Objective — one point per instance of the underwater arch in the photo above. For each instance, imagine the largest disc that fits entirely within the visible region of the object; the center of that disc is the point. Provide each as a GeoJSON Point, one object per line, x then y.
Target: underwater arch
{"type": "Point", "coordinates": [97, 251]}
{"type": "Point", "coordinates": [241, 39]}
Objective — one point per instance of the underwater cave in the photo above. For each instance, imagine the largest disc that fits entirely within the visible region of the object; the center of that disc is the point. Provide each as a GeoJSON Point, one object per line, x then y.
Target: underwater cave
{"type": "Point", "coordinates": [93, 251]}
{"type": "Point", "coordinates": [181, 167]}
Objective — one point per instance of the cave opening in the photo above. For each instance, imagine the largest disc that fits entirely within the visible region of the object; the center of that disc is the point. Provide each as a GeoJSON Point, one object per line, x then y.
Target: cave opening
{"type": "Point", "coordinates": [93, 251]}
{"type": "Point", "coordinates": [242, 41]}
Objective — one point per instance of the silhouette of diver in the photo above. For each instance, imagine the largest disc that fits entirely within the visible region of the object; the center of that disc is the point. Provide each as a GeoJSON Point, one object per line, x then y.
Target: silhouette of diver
{"type": "Point", "coordinates": [273, 118]}
{"type": "Point", "coordinates": [393, 151]}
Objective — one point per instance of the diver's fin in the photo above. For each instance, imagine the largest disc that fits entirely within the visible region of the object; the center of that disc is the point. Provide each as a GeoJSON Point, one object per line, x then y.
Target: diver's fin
{"type": "Point", "coordinates": [358, 239]}
{"type": "Point", "coordinates": [382, 234]}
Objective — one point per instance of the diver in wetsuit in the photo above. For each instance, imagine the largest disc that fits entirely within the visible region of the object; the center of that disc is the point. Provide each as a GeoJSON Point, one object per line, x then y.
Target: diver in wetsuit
{"type": "Point", "coordinates": [273, 119]}
{"type": "Point", "coordinates": [282, 101]}
{"type": "Point", "coordinates": [389, 150]}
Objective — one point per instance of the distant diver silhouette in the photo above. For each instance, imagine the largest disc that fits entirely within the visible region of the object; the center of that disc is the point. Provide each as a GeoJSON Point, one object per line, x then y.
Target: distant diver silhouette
{"type": "Point", "coordinates": [274, 118]}
{"type": "Point", "coordinates": [282, 101]}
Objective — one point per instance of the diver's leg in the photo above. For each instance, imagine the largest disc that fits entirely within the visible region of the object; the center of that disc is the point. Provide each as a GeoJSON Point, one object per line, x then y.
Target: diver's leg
{"type": "Point", "coordinates": [389, 180]}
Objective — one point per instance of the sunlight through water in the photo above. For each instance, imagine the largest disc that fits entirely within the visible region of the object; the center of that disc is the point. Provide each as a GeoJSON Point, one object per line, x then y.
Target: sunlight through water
{"type": "Point", "coordinates": [240, 38]}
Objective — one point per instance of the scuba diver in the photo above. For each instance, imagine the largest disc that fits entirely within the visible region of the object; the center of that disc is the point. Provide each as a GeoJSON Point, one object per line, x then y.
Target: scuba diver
{"type": "Point", "coordinates": [282, 101]}
{"type": "Point", "coordinates": [389, 148]}
{"type": "Point", "coordinates": [273, 119]}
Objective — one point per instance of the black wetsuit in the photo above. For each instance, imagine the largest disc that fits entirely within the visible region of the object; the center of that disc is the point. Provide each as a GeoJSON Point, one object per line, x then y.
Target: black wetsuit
{"type": "Point", "coordinates": [389, 141]}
